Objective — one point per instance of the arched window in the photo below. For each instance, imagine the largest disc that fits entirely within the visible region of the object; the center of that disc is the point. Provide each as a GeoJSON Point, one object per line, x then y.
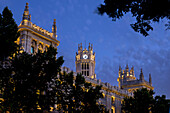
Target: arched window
{"type": "Point", "coordinates": [113, 99]}
{"type": "Point", "coordinates": [32, 49]}
{"type": "Point", "coordinates": [113, 109]}
{"type": "Point", "coordinates": [103, 95]}
{"type": "Point", "coordinates": [40, 48]}
{"type": "Point", "coordinates": [33, 46]}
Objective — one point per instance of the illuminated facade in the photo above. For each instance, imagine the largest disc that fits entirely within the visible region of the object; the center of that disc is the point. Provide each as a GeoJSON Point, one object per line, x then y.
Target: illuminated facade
{"type": "Point", "coordinates": [128, 81]}
{"type": "Point", "coordinates": [113, 95]}
{"type": "Point", "coordinates": [34, 38]}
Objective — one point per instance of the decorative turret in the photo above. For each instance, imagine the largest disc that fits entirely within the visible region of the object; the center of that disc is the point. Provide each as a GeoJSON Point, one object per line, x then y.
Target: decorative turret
{"type": "Point", "coordinates": [150, 80]}
{"type": "Point", "coordinates": [54, 29]}
{"type": "Point", "coordinates": [141, 75]}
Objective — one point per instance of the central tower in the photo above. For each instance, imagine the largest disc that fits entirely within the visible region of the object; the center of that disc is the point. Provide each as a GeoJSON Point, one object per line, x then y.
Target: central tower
{"type": "Point", "coordinates": [85, 61]}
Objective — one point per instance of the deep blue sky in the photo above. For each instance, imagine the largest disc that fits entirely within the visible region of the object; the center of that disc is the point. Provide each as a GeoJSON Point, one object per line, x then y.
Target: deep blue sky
{"type": "Point", "coordinates": [115, 43]}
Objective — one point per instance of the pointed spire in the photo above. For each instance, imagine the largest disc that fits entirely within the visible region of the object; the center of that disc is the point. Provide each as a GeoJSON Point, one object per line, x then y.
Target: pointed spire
{"type": "Point", "coordinates": [85, 44]}
{"type": "Point", "coordinates": [26, 7]}
{"type": "Point", "coordinates": [81, 46]}
{"type": "Point", "coordinates": [141, 75]}
{"type": "Point", "coordinates": [120, 71]}
{"type": "Point", "coordinates": [54, 29]}
{"type": "Point", "coordinates": [132, 70]}
{"type": "Point", "coordinates": [26, 15]}
{"type": "Point", "coordinates": [127, 67]}
{"type": "Point", "coordinates": [89, 47]}
{"type": "Point", "coordinates": [150, 80]}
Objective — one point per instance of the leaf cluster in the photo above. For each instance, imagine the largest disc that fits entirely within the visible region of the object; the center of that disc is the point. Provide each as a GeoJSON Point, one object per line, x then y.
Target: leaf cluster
{"type": "Point", "coordinates": [145, 12]}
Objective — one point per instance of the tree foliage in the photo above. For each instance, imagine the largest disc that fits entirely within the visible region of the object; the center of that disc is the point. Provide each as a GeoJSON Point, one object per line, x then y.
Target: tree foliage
{"type": "Point", "coordinates": [144, 102]}
{"type": "Point", "coordinates": [141, 102]}
{"type": "Point", "coordinates": [28, 82]}
{"type": "Point", "coordinates": [77, 96]}
{"type": "Point", "coordinates": [145, 12]}
{"type": "Point", "coordinates": [32, 83]}
{"type": "Point", "coordinates": [160, 105]}
{"type": "Point", "coordinates": [8, 34]}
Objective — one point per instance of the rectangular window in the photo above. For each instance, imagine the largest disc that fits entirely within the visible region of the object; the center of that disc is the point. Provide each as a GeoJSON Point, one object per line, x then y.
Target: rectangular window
{"type": "Point", "coordinates": [87, 65]}
{"type": "Point", "coordinates": [87, 73]}
{"type": "Point", "coordinates": [82, 66]}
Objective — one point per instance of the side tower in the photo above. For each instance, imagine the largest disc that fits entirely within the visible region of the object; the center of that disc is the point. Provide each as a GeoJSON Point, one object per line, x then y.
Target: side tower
{"type": "Point", "coordinates": [85, 61]}
{"type": "Point", "coordinates": [34, 38]}
{"type": "Point", "coordinates": [128, 81]}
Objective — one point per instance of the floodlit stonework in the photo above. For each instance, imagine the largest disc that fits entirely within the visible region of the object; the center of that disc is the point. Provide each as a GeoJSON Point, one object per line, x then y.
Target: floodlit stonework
{"type": "Point", "coordinates": [113, 95]}
{"type": "Point", "coordinates": [33, 39]}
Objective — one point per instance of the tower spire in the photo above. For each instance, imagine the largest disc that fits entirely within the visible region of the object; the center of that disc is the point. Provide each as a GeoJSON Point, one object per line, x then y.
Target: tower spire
{"type": "Point", "coordinates": [120, 71]}
{"type": "Point", "coordinates": [54, 29]}
{"type": "Point", "coordinates": [141, 75]}
{"type": "Point", "coordinates": [150, 79]}
{"type": "Point", "coordinates": [85, 44]}
{"type": "Point", "coordinates": [26, 15]}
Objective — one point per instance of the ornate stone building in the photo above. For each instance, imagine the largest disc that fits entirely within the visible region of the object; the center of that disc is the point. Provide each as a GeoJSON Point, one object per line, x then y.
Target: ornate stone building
{"type": "Point", "coordinates": [34, 38]}
{"type": "Point", "coordinates": [113, 95]}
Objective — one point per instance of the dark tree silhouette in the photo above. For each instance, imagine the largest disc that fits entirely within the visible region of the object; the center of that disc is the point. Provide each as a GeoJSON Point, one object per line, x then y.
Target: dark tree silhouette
{"type": "Point", "coordinates": [77, 96]}
{"type": "Point", "coordinates": [8, 34]}
{"type": "Point", "coordinates": [160, 105]}
{"type": "Point", "coordinates": [28, 82]}
{"type": "Point", "coordinates": [141, 102]}
{"type": "Point", "coordinates": [145, 12]}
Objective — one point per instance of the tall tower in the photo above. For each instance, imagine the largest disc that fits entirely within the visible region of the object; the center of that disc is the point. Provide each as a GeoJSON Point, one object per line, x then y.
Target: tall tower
{"type": "Point", "coordinates": [85, 61]}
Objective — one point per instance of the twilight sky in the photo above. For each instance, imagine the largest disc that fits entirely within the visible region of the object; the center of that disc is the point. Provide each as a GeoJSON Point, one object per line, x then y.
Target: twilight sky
{"type": "Point", "coordinates": [115, 43]}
